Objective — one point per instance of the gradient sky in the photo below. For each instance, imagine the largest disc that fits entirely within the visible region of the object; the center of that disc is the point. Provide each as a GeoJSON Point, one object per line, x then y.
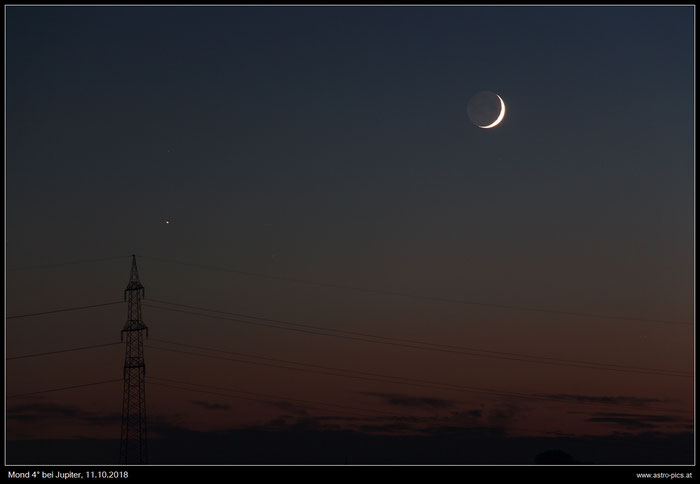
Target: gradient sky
{"type": "Point", "coordinates": [332, 145]}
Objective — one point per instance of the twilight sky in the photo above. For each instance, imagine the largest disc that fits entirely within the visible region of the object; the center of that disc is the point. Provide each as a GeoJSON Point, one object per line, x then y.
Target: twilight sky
{"type": "Point", "coordinates": [316, 166]}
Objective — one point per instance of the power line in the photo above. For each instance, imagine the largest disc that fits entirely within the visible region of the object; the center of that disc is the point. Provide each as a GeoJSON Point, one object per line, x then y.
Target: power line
{"type": "Point", "coordinates": [18, 395]}
{"type": "Point", "coordinates": [64, 310]}
{"type": "Point", "coordinates": [437, 345]}
{"type": "Point", "coordinates": [63, 351]}
{"type": "Point", "coordinates": [351, 374]}
{"type": "Point", "coordinates": [415, 296]}
{"type": "Point", "coordinates": [344, 372]}
{"type": "Point", "coordinates": [61, 264]}
{"type": "Point", "coordinates": [413, 344]}
{"type": "Point", "coordinates": [378, 377]}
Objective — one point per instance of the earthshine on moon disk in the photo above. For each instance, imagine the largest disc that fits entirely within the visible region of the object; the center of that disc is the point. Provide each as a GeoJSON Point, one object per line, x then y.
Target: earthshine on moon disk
{"type": "Point", "coordinates": [486, 109]}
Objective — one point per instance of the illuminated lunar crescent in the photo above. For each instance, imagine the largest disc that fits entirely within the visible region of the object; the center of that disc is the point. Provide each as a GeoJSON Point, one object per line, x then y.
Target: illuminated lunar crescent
{"type": "Point", "coordinates": [500, 115]}
{"type": "Point", "coordinates": [486, 109]}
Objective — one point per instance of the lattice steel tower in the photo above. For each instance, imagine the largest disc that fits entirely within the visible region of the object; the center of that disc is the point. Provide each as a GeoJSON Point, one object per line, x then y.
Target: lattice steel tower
{"type": "Point", "coordinates": [134, 449]}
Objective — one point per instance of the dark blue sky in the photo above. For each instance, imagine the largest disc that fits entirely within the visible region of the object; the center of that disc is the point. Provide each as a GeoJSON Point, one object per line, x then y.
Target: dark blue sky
{"type": "Point", "coordinates": [333, 144]}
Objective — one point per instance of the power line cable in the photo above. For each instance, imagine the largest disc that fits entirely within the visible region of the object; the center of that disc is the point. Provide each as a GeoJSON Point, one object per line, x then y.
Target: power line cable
{"type": "Point", "coordinates": [377, 377]}
{"type": "Point", "coordinates": [18, 395]}
{"type": "Point", "coordinates": [61, 264]}
{"type": "Point", "coordinates": [63, 351]}
{"type": "Point", "coordinates": [403, 340]}
{"type": "Point", "coordinates": [412, 295]}
{"type": "Point", "coordinates": [64, 310]}
{"type": "Point", "coordinates": [349, 374]}
{"type": "Point", "coordinates": [364, 337]}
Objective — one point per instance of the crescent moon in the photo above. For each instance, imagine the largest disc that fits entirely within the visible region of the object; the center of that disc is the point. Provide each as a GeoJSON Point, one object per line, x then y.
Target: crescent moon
{"type": "Point", "coordinates": [500, 116]}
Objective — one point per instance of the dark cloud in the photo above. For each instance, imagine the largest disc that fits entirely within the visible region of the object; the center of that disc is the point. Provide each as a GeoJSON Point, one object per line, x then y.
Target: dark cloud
{"type": "Point", "coordinates": [306, 424]}
{"type": "Point", "coordinates": [616, 400]}
{"type": "Point", "coordinates": [467, 417]}
{"type": "Point", "coordinates": [37, 412]}
{"type": "Point", "coordinates": [211, 406]}
{"type": "Point", "coordinates": [379, 418]}
{"type": "Point", "coordinates": [277, 423]}
{"type": "Point", "coordinates": [42, 411]}
{"type": "Point", "coordinates": [649, 418]}
{"type": "Point", "coordinates": [468, 421]}
{"type": "Point", "coordinates": [289, 407]}
{"type": "Point", "coordinates": [625, 422]}
{"type": "Point", "coordinates": [163, 430]}
{"type": "Point", "coordinates": [289, 423]}
{"type": "Point", "coordinates": [635, 421]}
{"type": "Point", "coordinates": [165, 425]}
{"type": "Point", "coordinates": [411, 401]}
{"type": "Point", "coordinates": [500, 417]}
{"type": "Point", "coordinates": [370, 424]}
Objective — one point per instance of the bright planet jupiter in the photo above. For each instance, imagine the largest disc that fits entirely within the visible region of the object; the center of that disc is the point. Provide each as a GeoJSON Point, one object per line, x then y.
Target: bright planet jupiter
{"type": "Point", "coordinates": [486, 109]}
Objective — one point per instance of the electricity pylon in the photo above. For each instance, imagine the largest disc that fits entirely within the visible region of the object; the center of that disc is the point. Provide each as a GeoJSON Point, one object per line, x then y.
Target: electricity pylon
{"type": "Point", "coordinates": [133, 448]}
